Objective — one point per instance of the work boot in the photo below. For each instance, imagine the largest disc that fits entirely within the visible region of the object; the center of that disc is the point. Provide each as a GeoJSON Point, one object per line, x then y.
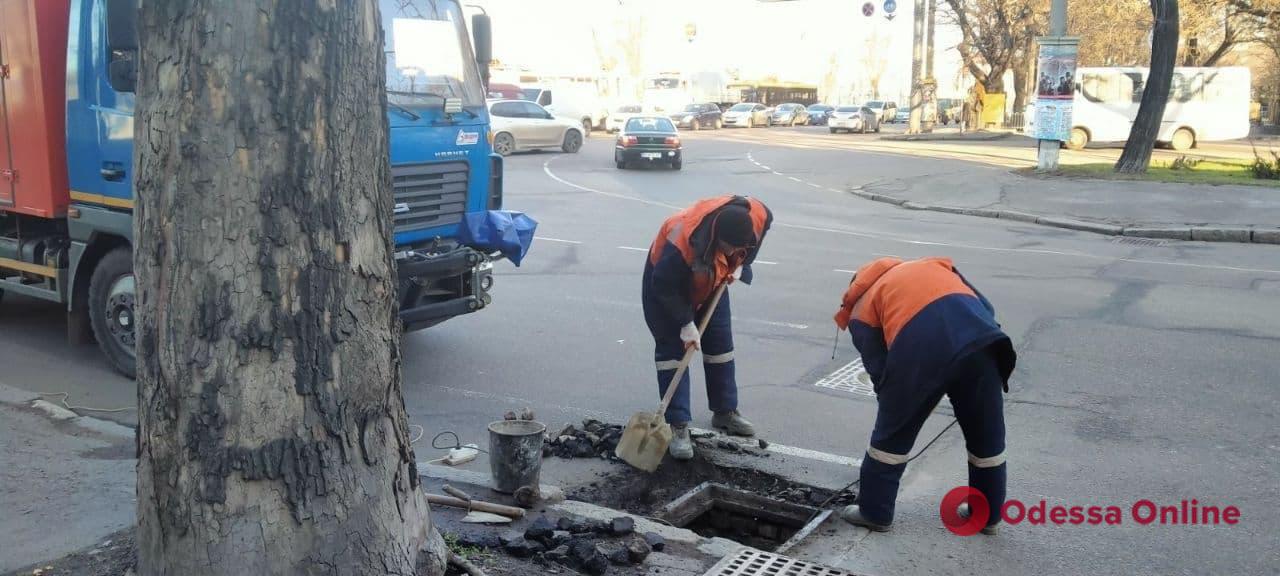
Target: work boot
{"type": "Point", "coordinates": [681, 447]}
{"type": "Point", "coordinates": [853, 515]}
{"type": "Point", "coordinates": [989, 530]}
{"type": "Point", "coordinates": [733, 423]}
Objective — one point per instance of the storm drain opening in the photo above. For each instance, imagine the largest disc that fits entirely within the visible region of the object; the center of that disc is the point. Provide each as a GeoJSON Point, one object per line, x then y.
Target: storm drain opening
{"type": "Point", "coordinates": [714, 510]}
{"type": "Point", "coordinates": [748, 562]}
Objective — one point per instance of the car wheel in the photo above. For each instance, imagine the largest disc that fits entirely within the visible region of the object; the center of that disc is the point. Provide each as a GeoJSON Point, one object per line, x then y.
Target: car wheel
{"type": "Point", "coordinates": [877, 127]}
{"type": "Point", "coordinates": [677, 164]}
{"type": "Point", "coordinates": [1183, 139]}
{"type": "Point", "coordinates": [587, 126]}
{"type": "Point", "coordinates": [719, 123]}
{"type": "Point", "coordinates": [111, 309]}
{"type": "Point", "coordinates": [572, 142]}
{"type": "Point", "coordinates": [751, 123]}
{"type": "Point", "coordinates": [504, 144]}
{"type": "Point", "coordinates": [832, 130]}
{"type": "Point", "coordinates": [695, 126]}
{"type": "Point", "coordinates": [620, 164]}
{"type": "Point", "coordinates": [1079, 139]}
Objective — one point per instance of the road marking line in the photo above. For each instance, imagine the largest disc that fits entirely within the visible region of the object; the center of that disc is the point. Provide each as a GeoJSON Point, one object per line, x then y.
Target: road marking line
{"type": "Point", "coordinates": [772, 323]}
{"type": "Point", "coordinates": [765, 262]}
{"type": "Point", "coordinates": [815, 185]}
{"type": "Point", "coordinates": [794, 179]}
{"type": "Point", "coordinates": [546, 167]}
{"type": "Point", "coordinates": [546, 239]}
{"type": "Point", "coordinates": [632, 248]}
{"type": "Point", "coordinates": [844, 271]}
{"type": "Point", "coordinates": [782, 448]}
{"type": "Point", "coordinates": [765, 167]}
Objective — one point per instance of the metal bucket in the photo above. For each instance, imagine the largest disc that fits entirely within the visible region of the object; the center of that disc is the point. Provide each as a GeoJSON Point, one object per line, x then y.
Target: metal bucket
{"type": "Point", "coordinates": [515, 453]}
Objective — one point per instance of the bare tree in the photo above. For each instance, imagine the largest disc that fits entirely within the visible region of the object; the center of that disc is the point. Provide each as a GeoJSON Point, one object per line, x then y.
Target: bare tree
{"type": "Point", "coordinates": [1146, 125]}
{"type": "Point", "coordinates": [875, 60]}
{"type": "Point", "coordinates": [996, 35]}
{"type": "Point", "coordinates": [273, 437]}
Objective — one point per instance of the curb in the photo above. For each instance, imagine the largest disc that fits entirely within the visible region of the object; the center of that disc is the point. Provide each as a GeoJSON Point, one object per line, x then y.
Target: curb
{"type": "Point", "coordinates": [1235, 234]}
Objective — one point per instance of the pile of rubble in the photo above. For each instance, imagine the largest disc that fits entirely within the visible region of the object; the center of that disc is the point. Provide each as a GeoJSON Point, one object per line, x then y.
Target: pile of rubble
{"type": "Point", "coordinates": [584, 545]}
{"type": "Point", "coordinates": [594, 439]}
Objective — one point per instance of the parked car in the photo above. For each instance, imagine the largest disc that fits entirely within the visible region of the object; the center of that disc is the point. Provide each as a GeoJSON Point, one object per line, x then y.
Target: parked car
{"type": "Point", "coordinates": [696, 116]}
{"type": "Point", "coordinates": [618, 116]}
{"type": "Point", "coordinates": [949, 110]}
{"type": "Point", "coordinates": [887, 110]}
{"type": "Point", "coordinates": [649, 140]}
{"type": "Point", "coordinates": [903, 116]}
{"type": "Point", "coordinates": [746, 114]}
{"type": "Point", "coordinates": [818, 114]}
{"type": "Point", "coordinates": [790, 114]}
{"type": "Point", "coordinates": [576, 100]}
{"type": "Point", "coordinates": [520, 125]}
{"type": "Point", "coordinates": [854, 119]}
{"type": "Point", "coordinates": [505, 91]}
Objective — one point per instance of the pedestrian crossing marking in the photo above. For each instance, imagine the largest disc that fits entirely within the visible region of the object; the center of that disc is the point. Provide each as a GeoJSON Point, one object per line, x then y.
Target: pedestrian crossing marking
{"type": "Point", "coordinates": [852, 378]}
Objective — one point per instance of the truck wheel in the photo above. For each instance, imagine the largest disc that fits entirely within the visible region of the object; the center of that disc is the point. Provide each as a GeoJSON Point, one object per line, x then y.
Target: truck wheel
{"type": "Point", "coordinates": [587, 126]}
{"type": "Point", "coordinates": [1078, 140]}
{"type": "Point", "coordinates": [572, 142]}
{"type": "Point", "coordinates": [111, 301]}
{"type": "Point", "coordinates": [1183, 139]}
{"type": "Point", "coordinates": [504, 144]}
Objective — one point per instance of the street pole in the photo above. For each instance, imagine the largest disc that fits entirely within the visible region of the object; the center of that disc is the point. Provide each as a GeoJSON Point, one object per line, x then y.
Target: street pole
{"type": "Point", "coordinates": [931, 90]}
{"type": "Point", "coordinates": [917, 54]}
{"type": "Point", "coordinates": [1049, 149]}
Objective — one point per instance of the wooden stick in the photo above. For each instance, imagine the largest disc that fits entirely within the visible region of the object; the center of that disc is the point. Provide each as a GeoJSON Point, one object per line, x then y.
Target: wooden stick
{"type": "Point", "coordinates": [499, 509]}
{"type": "Point", "coordinates": [465, 565]}
{"type": "Point", "coordinates": [456, 492]}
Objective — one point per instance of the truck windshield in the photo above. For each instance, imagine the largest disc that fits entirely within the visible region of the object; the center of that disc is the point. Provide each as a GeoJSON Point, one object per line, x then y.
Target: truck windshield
{"type": "Point", "coordinates": [429, 54]}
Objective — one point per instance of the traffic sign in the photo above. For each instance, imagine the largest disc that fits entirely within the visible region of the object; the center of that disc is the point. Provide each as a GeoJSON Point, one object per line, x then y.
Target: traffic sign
{"type": "Point", "coordinates": [868, 9]}
{"type": "Point", "coordinates": [890, 7]}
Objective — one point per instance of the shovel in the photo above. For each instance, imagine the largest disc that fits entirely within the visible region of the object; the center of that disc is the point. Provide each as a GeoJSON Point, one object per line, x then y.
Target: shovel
{"type": "Point", "coordinates": [644, 440]}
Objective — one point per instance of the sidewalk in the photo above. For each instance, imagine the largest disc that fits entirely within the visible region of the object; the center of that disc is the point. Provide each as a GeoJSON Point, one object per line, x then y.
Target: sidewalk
{"type": "Point", "coordinates": [1147, 209]}
{"type": "Point", "coordinates": [66, 482]}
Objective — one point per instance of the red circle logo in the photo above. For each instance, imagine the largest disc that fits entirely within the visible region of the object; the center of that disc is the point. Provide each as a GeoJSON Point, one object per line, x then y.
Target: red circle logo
{"type": "Point", "coordinates": [979, 511]}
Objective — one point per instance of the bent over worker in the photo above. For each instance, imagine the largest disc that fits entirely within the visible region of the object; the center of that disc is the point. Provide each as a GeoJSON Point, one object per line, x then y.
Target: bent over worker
{"type": "Point", "coordinates": [924, 331]}
{"type": "Point", "coordinates": [699, 248]}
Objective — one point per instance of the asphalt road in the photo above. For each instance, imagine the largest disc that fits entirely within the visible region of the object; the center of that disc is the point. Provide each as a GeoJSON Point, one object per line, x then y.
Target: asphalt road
{"type": "Point", "coordinates": [1146, 371]}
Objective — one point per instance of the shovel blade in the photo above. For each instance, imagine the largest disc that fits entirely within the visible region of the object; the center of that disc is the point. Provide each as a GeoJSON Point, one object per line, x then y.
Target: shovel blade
{"type": "Point", "coordinates": [644, 441]}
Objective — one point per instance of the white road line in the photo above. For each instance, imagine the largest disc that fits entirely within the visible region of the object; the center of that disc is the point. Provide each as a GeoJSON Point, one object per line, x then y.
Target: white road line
{"type": "Point", "coordinates": [842, 270]}
{"type": "Point", "coordinates": [819, 186]}
{"type": "Point", "coordinates": [545, 239]}
{"type": "Point", "coordinates": [765, 262]}
{"type": "Point", "coordinates": [784, 449]}
{"type": "Point", "coordinates": [772, 323]}
{"type": "Point", "coordinates": [765, 167]}
{"type": "Point", "coordinates": [794, 179]}
{"type": "Point", "coordinates": [891, 238]}
{"type": "Point", "coordinates": [633, 248]}
{"type": "Point", "coordinates": [546, 167]}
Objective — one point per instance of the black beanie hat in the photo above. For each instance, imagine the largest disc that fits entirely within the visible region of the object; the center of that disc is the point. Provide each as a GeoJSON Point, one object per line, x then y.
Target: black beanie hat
{"type": "Point", "coordinates": [733, 226]}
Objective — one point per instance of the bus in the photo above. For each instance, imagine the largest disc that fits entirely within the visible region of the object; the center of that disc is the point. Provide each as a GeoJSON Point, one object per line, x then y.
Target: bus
{"type": "Point", "coordinates": [1205, 105]}
{"type": "Point", "coordinates": [770, 93]}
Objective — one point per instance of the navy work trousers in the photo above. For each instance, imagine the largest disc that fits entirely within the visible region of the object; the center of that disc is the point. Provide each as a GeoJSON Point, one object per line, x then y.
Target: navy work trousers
{"type": "Point", "coordinates": [717, 358]}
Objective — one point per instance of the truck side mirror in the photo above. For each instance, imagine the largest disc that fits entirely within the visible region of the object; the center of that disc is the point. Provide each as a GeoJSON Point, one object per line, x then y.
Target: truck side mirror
{"type": "Point", "coordinates": [482, 37]}
{"type": "Point", "coordinates": [122, 44]}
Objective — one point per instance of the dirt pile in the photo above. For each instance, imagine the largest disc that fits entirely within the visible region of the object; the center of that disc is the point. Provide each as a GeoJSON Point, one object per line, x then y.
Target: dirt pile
{"type": "Point", "coordinates": [594, 439]}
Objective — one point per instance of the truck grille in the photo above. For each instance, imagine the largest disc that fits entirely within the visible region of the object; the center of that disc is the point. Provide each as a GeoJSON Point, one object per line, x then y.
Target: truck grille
{"type": "Point", "coordinates": [429, 194]}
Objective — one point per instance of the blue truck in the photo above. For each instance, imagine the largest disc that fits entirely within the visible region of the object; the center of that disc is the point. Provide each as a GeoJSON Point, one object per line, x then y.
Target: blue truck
{"type": "Point", "coordinates": [66, 143]}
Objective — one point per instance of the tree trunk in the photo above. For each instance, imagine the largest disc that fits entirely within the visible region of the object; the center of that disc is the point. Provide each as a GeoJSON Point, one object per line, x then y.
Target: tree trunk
{"type": "Point", "coordinates": [1164, 54]}
{"type": "Point", "coordinates": [272, 433]}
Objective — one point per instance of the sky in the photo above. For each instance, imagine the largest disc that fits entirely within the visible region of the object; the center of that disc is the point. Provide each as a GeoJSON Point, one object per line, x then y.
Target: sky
{"type": "Point", "coordinates": [789, 40]}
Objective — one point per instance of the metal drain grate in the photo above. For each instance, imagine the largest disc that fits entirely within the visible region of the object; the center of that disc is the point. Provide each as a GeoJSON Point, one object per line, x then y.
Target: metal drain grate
{"type": "Point", "coordinates": [752, 562]}
{"type": "Point", "coordinates": [1139, 241]}
{"type": "Point", "coordinates": [851, 377]}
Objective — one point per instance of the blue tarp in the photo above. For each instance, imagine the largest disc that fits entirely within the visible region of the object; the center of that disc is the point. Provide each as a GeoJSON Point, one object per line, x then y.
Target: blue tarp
{"type": "Point", "coordinates": [510, 233]}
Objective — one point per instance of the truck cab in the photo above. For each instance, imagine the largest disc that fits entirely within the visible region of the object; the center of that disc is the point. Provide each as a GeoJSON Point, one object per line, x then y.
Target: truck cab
{"type": "Point", "coordinates": [66, 228]}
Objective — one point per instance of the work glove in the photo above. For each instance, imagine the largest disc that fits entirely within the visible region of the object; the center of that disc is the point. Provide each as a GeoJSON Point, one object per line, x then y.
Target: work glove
{"type": "Point", "coordinates": [689, 334]}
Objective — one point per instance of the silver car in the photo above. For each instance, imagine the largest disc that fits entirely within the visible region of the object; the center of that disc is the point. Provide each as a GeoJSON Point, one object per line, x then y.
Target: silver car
{"type": "Point", "coordinates": [746, 115]}
{"type": "Point", "coordinates": [853, 119]}
{"type": "Point", "coordinates": [522, 125]}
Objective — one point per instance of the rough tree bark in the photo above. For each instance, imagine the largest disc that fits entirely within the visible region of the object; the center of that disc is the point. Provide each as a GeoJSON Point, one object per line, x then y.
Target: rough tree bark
{"type": "Point", "coordinates": [1164, 54]}
{"type": "Point", "coordinates": [273, 437]}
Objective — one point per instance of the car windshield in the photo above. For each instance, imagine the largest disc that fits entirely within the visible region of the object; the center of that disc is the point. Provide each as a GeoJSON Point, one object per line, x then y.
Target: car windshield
{"type": "Point", "coordinates": [628, 110]}
{"type": "Point", "coordinates": [788, 107]}
{"type": "Point", "coordinates": [428, 53]}
{"type": "Point", "coordinates": [530, 94]}
{"type": "Point", "coordinates": [875, 104]}
{"type": "Point", "coordinates": [819, 108]}
{"type": "Point", "coordinates": [741, 107]}
{"type": "Point", "coordinates": [847, 109]}
{"type": "Point", "coordinates": [693, 108]}
{"type": "Point", "coordinates": [650, 125]}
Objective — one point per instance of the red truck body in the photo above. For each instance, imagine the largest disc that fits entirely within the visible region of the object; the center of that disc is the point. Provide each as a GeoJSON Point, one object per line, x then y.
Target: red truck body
{"type": "Point", "coordinates": [33, 63]}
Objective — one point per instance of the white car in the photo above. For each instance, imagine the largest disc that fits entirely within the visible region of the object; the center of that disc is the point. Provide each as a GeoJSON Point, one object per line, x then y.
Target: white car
{"type": "Point", "coordinates": [618, 116]}
{"type": "Point", "coordinates": [747, 114]}
{"type": "Point", "coordinates": [520, 125]}
{"type": "Point", "coordinates": [853, 119]}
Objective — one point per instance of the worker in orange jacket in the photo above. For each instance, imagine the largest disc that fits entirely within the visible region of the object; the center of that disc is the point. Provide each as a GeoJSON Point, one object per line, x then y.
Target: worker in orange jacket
{"type": "Point", "coordinates": [696, 250]}
{"type": "Point", "coordinates": [923, 331]}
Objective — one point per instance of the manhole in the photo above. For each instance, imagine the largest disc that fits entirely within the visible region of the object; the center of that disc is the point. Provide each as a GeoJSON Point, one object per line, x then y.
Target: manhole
{"type": "Point", "coordinates": [749, 562]}
{"type": "Point", "coordinates": [1139, 241]}
{"type": "Point", "coordinates": [851, 377]}
{"type": "Point", "coordinates": [715, 510]}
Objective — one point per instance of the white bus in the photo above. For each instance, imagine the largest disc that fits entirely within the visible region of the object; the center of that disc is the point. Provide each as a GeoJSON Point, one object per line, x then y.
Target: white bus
{"type": "Point", "coordinates": [1205, 104]}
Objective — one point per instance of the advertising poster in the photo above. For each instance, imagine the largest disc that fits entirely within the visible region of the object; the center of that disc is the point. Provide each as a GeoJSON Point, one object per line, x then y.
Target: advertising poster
{"type": "Point", "coordinates": [1055, 88]}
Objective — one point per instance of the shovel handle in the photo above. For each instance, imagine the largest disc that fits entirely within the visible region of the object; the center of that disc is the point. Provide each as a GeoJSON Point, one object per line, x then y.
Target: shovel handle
{"type": "Point", "coordinates": [688, 354]}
